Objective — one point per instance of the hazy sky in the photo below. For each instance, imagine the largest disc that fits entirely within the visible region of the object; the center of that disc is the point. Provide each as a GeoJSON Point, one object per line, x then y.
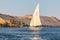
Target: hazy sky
{"type": "Point", "coordinates": [22, 7]}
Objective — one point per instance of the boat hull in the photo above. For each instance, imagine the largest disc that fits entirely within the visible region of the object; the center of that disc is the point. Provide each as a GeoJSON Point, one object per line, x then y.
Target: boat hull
{"type": "Point", "coordinates": [35, 28]}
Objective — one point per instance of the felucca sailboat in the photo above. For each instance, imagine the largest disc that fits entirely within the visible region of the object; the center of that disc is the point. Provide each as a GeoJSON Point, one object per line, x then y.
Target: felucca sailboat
{"type": "Point", "coordinates": [35, 21]}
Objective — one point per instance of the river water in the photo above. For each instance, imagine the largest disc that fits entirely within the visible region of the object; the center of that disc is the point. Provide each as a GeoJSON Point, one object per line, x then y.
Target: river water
{"type": "Point", "coordinates": [27, 34]}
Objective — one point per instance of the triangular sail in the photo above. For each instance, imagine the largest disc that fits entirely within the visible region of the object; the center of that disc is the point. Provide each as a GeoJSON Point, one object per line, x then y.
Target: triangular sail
{"type": "Point", "coordinates": [35, 21]}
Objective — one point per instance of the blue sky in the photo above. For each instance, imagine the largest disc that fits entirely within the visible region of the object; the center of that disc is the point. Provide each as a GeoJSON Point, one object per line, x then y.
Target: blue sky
{"type": "Point", "coordinates": [22, 7]}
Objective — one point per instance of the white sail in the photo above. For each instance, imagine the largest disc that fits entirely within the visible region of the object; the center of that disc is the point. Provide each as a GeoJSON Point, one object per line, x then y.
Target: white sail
{"type": "Point", "coordinates": [35, 21]}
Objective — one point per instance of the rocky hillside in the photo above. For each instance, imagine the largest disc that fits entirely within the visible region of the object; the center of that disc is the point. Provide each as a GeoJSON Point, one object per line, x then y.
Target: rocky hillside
{"type": "Point", "coordinates": [45, 20]}
{"type": "Point", "coordinates": [9, 21]}
{"type": "Point", "coordinates": [50, 21]}
{"type": "Point", "coordinates": [20, 21]}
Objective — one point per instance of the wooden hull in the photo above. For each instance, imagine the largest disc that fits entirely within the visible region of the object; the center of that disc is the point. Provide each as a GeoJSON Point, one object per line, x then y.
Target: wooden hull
{"type": "Point", "coordinates": [35, 28]}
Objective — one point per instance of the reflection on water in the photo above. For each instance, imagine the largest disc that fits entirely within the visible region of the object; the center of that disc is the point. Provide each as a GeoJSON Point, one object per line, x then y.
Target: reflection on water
{"type": "Point", "coordinates": [36, 38]}
{"type": "Point", "coordinates": [27, 34]}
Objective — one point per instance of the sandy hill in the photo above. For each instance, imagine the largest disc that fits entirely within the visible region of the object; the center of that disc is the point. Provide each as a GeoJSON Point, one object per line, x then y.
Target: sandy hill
{"type": "Point", "coordinates": [45, 20]}
{"type": "Point", "coordinates": [19, 21]}
{"type": "Point", "coordinates": [50, 21]}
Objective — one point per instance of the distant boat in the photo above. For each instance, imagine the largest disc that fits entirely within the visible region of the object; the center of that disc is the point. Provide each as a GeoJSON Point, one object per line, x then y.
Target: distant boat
{"type": "Point", "coordinates": [35, 21]}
